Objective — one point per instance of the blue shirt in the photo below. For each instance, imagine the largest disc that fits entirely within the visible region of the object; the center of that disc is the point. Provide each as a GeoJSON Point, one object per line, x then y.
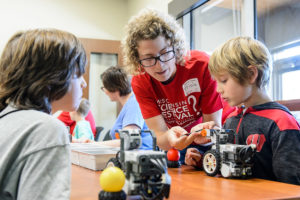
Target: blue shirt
{"type": "Point", "coordinates": [83, 129]}
{"type": "Point", "coordinates": [131, 115]}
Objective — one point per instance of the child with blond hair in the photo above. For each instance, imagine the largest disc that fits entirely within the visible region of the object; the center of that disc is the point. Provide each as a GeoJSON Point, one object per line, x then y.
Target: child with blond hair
{"type": "Point", "coordinates": [242, 68]}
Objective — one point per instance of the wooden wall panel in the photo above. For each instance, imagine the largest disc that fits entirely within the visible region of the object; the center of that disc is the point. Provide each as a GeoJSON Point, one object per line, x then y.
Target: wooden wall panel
{"type": "Point", "coordinates": [99, 46]}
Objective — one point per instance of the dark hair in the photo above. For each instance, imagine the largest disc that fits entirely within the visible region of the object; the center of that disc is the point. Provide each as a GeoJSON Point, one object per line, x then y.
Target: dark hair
{"type": "Point", "coordinates": [37, 67]}
{"type": "Point", "coordinates": [115, 79]}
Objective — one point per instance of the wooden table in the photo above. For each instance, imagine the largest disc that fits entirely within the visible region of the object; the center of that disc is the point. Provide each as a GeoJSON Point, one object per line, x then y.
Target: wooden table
{"type": "Point", "coordinates": [188, 184]}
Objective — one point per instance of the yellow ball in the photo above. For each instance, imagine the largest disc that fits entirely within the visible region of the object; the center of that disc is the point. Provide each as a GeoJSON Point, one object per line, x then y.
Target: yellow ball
{"type": "Point", "coordinates": [112, 179]}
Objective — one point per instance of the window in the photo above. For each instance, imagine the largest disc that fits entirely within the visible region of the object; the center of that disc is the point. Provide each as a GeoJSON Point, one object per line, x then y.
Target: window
{"type": "Point", "coordinates": [214, 23]}
{"type": "Point", "coordinates": [209, 23]}
{"type": "Point", "coordinates": [278, 28]}
{"type": "Point", "coordinates": [290, 84]}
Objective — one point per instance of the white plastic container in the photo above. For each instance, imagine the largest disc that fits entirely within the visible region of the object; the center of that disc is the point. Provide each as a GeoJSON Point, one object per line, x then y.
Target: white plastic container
{"type": "Point", "coordinates": [92, 156]}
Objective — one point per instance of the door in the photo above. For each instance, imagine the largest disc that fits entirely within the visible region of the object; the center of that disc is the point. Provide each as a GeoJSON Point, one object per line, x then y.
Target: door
{"type": "Point", "coordinates": [101, 54]}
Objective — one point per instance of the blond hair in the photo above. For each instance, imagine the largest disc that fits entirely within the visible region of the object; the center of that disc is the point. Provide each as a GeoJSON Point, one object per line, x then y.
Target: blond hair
{"type": "Point", "coordinates": [236, 55]}
{"type": "Point", "coordinates": [84, 107]}
{"type": "Point", "coordinates": [148, 25]}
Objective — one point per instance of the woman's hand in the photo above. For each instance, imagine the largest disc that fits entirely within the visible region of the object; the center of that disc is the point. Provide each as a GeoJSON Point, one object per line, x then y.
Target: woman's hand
{"type": "Point", "coordinates": [179, 138]}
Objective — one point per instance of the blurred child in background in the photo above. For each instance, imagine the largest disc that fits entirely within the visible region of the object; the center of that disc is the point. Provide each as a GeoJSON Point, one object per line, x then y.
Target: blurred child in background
{"type": "Point", "coordinates": [64, 116]}
{"type": "Point", "coordinates": [82, 131]}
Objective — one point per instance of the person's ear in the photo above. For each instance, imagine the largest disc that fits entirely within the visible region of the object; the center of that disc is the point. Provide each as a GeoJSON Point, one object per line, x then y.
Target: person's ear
{"type": "Point", "coordinates": [253, 74]}
{"type": "Point", "coordinates": [141, 69]}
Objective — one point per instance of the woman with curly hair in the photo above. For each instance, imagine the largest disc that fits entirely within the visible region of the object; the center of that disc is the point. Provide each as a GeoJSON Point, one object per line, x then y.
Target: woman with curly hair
{"type": "Point", "coordinates": [172, 85]}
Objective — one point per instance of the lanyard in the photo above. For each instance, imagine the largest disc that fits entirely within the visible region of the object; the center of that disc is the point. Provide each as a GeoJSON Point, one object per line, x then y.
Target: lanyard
{"type": "Point", "coordinates": [8, 113]}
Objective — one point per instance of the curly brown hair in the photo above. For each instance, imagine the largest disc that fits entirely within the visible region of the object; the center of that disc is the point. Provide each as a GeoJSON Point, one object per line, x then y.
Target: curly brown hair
{"type": "Point", "coordinates": [37, 67]}
{"type": "Point", "coordinates": [148, 25]}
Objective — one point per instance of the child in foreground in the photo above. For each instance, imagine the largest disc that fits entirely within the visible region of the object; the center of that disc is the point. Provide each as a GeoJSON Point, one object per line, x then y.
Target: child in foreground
{"type": "Point", "coordinates": [40, 73]}
{"type": "Point", "coordinates": [242, 68]}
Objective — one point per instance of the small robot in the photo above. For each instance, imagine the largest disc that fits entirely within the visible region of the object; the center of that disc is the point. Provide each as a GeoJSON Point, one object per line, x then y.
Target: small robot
{"type": "Point", "coordinates": [145, 170]}
{"type": "Point", "coordinates": [232, 160]}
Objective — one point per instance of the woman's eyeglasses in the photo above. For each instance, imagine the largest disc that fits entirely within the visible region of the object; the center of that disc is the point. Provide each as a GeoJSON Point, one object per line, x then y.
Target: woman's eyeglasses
{"type": "Point", "coordinates": [165, 57]}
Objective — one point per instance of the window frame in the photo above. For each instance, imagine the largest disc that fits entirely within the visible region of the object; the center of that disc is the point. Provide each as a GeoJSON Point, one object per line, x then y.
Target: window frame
{"type": "Point", "coordinates": [293, 105]}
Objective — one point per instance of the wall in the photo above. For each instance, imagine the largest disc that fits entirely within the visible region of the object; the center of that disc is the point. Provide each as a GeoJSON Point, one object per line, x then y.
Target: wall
{"type": "Point", "coordinates": [134, 6]}
{"type": "Point", "coordinates": [98, 19]}
{"type": "Point", "coordinates": [89, 18]}
{"type": "Point", "coordinates": [101, 19]}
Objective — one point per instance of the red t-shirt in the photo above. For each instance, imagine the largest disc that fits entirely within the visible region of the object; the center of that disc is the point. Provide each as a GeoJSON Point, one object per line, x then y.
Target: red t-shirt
{"type": "Point", "coordinates": [181, 102]}
{"type": "Point", "coordinates": [66, 119]}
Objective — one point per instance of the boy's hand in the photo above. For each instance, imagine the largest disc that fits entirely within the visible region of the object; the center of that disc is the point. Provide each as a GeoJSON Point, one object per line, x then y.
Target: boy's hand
{"type": "Point", "coordinates": [193, 158]}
